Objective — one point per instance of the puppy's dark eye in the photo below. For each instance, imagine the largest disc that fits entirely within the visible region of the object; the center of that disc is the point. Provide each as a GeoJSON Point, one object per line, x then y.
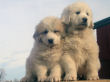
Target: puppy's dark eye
{"type": "Point", "coordinates": [45, 32]}
{"type": "Point", "coordinates": [78, 12]}
{"type": "Point", "coordinates": [56, 31]}
{"type": "Point", "coordinates": [87, 14]}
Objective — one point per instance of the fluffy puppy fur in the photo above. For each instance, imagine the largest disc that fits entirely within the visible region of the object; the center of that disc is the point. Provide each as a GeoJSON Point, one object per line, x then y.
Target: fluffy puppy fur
{"type": "Point", "coordinates": [43, 61]}
{"type": "Point", "coordinates": [81, 52]}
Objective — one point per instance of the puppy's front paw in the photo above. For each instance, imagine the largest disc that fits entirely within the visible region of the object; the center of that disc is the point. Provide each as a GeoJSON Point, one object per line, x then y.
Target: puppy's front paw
{"type": "Point", "coordinates": [70, 77]}
{"type": "Point", "coordinates": [93, 77]}
{"type": "Point", "coordinates": [42, 78]}
{"type": "Point", "coordinates": [54, 78]}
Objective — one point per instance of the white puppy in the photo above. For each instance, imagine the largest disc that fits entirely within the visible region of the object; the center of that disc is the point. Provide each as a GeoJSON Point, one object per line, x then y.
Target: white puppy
{"type": "Point", "coordinates": [81, 52]}
{"type": "Point", "coordinates": [43, 61]}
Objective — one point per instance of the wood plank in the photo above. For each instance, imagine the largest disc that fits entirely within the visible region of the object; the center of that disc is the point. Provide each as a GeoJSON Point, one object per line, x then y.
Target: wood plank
{"type": "Point", "coordinates": [104, 80]}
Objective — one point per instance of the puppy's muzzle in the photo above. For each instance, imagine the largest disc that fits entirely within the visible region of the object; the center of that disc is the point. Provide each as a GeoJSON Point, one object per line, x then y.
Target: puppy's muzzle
{"type": "Point", "coordinates": [50, 41]}
{"type": "Point", "coordinates": [84, 21]}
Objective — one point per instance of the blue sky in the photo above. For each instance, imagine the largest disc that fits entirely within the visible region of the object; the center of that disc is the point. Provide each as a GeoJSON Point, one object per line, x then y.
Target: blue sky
{"type": "Point", "coordinates": [18, 19]}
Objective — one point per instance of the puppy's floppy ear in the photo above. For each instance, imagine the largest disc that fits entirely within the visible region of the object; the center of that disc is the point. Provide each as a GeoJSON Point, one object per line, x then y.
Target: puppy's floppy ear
{"type": "Point", "coordinates": [65, 18]}
{"type": "Point", "coordinates": [35, 35]}
{"type": "Point", "coordinates": [91, 25]}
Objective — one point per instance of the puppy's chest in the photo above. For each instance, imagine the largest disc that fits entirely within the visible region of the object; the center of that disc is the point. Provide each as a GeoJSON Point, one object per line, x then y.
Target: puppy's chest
{"type": "Point", "coordinates": [88, 45]}
{"type": "Point", "coordinates": [50, 55]}
{"type": "Point", "coordinates": [71, 43]}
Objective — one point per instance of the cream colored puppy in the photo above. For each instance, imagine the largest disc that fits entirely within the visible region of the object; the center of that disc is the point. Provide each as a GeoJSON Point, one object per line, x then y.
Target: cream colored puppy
{"type": "Point", "coordinates": [81, 52]}
{"type": "Point", "coordinates": [43, 61]}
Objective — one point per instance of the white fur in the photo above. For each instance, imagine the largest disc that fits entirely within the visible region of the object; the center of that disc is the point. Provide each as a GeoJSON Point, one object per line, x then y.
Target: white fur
{"type": "Point", "coordinates": [45, 57]}
{"type": "Point", "coordinates": [80, 49]}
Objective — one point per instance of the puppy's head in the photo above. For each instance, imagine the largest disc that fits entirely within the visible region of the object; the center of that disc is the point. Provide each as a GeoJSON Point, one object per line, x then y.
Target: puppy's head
{"type": "Point", "coordinates": [49, 31]}
{"type": "Point", "coordinates": [79, 15]}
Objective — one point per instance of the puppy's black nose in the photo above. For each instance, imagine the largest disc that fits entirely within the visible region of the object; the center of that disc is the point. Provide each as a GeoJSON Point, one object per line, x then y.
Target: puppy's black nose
{"type": "Point", "coordinates": [84, 20]}
{"type": "Point", "coordinates": [50, 41]}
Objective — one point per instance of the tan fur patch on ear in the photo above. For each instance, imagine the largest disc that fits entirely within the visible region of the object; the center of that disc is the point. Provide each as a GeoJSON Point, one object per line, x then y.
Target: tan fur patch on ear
{"type": "Point", "coordinates": [65, 16]}
{"type": "Point", "coordinates": [37, 30]}
{"type": "Point", "coordinates": [65, 19]}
